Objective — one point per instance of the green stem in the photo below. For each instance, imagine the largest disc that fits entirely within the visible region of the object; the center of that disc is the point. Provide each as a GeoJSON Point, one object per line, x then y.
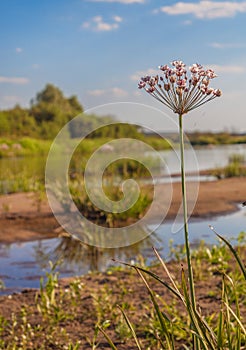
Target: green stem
{"type": "Point", "coordinates": [187, 243]}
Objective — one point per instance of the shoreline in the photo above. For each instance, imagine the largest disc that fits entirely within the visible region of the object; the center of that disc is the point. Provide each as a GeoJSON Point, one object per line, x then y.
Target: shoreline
{"type": "Point", "coordinates": [23, 218]}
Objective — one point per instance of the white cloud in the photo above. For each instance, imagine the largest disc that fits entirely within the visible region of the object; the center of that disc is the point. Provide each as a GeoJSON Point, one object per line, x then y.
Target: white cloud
{"type": "Point", "coordinates": [113, 92]}
{"type": "Point", "coordinates": [217, 45]}
{"type": "Point", "coordinates": [227, 69]}
{"type": "Point", "coordinates": [117, 19]}
{"type": "Point", "coordinates": [205, 9]}
{"type": "Point", "coordinates": [118, 92]}
{"type": "Point", "coordinates": [126, 2]}
{"type": "Point", "coordinates": [14, 80]}
{"type": "Point", "coordinates": [97, 92]}
{"type": "Point", "coordinates": [18, 50]}
{"type": "Point", "coordinates": [141, 73]}
{"type": "Point", "coordinates": [99, 25]}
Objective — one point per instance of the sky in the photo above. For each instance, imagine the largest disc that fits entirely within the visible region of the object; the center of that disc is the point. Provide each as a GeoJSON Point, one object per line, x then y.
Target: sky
{"type": "Point", "coordinates": [99, 49]}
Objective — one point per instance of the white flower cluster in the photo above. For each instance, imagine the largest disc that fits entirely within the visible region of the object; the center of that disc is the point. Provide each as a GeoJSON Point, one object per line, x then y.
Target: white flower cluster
{"type": "Point", "coordinates": [178, 91]}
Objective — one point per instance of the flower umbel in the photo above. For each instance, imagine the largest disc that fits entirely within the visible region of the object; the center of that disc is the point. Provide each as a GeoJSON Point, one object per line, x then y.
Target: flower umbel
{"type": "Point", "coordinates": [179, 92]}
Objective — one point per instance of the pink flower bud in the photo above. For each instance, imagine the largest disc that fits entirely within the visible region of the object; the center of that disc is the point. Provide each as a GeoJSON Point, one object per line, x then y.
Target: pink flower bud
{"type": "Point", "coordinates": [194, 80]}
{"type": "Point", "coordinates": [194, 68]}
{"type": "Point", "coordinates": [152, 81]}
{"type": "Point", "coordinates": [203, 89]}
{"type": "Point", "coordinates": [179, 72]}
{"type": "Point", "coordinates": [202, 73]}
{"type": "Point", "coordinates": [150, 89]}
{"type": "Point", "coordinates": [179, 91]}
{"type": "Point", "coordinates": [210, 74]}
{"type": "Point", "coordinates": [172, 79]}
{"type": "Point", "coordinates": [164, 68]}
{"type": "Point", "coordinates": [209, 91]}
{"type": "Point", "coordinates": [181, 83]}
{"type": "Point", "coordinates": [217, 92]}
{"type": "Point", "coordinates": [146, 78]}
{"type": "Point", "coordinates": [205, 81]}
{"type": "Point", "coordinates": [141, 84]}
{"type": "Point", "coordinates": [167, 87]}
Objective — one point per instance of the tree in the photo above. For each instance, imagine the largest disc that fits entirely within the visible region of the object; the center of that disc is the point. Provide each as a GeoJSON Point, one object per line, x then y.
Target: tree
{"type": "Point", "coordinates": [51, 109]}
{"type": "Point", "coordinates": [17, 122]}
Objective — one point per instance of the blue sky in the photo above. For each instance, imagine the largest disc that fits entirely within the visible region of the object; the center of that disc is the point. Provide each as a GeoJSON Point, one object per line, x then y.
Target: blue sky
{"type": "Point", "coordinates": [99, 49]}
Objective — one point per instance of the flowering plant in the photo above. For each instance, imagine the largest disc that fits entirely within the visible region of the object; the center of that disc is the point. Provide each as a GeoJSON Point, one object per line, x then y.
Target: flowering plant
{"type": "Point", "coordinates": [178, 92]}
{"type": "Point", "coordinates": [182, 94]}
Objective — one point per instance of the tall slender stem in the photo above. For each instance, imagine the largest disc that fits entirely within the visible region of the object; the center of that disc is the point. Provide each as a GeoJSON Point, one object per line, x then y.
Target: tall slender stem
{"type": "Point", "coordinates": [187, 243]}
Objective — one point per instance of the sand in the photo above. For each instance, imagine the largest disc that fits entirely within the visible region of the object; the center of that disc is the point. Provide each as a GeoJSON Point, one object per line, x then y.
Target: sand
{"type": "Point", "coordinates": [22, 218]}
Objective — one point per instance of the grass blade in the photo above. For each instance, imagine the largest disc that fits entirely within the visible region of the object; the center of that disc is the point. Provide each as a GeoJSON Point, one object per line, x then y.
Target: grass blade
{"type": "Point", "coordinates": [220, 330]}
{"type": "Point", "coordinates": [236, 318]}
{"type": "Point", "coordinates": [227, 315]}
{"type": "Point", "coordinates": [240, 263]}
{"type": "Point", "coordinates": [130, 327]}
{"type": "Point", "coordinates": [112, 346]}
{"type": "Point", "coordinates": [200, 328]}
{"type": "Point", "coordinates": [153, 275]}
{"type": "Point", "coordinates": [161, 316]}
{"type": "Point", "coordinates": [168, 273]}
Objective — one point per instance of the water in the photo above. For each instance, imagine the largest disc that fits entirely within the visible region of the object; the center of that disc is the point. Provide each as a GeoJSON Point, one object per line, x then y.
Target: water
{"type": "Point", "coordinates": [22, 265]}
{"type": "Point", "coordinates": [203, 158]}
{"type": "Point", "coordinates": [195, 159]}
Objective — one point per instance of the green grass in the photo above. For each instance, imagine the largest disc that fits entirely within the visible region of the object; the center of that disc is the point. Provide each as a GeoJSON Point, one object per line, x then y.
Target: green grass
{"type": "Point", "coordinates": [23, 147]}
{"type": "Point", "coordinates": [236, 167]}
{"type": "Point", "coordinates": [114, 193]}
{"type": "Point", "coordinates": [225, 330]}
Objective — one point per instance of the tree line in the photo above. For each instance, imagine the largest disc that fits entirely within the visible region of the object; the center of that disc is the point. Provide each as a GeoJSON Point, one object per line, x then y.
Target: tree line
{"type": "Point", "coordinates": [49, 111]}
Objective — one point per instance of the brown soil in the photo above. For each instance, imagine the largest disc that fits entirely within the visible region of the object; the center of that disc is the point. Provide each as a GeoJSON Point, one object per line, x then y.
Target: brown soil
{"type": "Point", "coordinates": [98, 299]}
{"type": "Point", "coordinates": [21, 219]}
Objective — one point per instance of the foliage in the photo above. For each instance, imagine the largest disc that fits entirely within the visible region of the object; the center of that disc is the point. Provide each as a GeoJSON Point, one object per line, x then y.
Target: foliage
{"type": "Point", "coordinates": [113, 192]}
{"type": "Point", "coordinates": [210, 138]}
{"type": "Point", "coordinates": [50, 110]}
{"type": "Point", "coordinates": [235, 167]}
{"type": "Point", "coordinates": [117, 130]}
{"type": "Point", "coordinates": [85, 124]}
{"type": "Point", "coordinates": [17, 122]}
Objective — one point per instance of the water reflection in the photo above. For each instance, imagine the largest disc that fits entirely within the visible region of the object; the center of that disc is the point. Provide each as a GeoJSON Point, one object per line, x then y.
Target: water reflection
{"type": "Point", "coordinates": [22, 265]}
{"type": "Point", "coordinates": [75, 255]}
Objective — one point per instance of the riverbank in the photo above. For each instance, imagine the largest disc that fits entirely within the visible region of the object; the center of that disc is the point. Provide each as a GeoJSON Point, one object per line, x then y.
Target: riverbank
{"type": "Point", "coordinates": [68, 313]}
{"type": "Point", "coordinates": [24, 218]}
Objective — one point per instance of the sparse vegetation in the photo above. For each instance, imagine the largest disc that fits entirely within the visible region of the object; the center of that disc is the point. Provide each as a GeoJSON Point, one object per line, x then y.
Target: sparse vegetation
{"type": "Point", "coordinates": [236, 167]}
{"type": "Point", "coordinates": [76, 314]}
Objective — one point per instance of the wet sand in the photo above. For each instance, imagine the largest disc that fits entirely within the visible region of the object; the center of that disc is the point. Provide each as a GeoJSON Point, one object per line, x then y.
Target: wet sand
{"type": "Point", "coordinates": [22, 218]}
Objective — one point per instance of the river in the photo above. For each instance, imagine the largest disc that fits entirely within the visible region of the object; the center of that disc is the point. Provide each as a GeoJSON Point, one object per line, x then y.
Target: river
{"type": "Point", "coordinates": [23, 264]}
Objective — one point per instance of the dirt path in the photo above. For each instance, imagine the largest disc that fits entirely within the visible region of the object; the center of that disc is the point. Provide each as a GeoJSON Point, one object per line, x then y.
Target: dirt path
{"type": "Point", "coordinates": [22, 219]}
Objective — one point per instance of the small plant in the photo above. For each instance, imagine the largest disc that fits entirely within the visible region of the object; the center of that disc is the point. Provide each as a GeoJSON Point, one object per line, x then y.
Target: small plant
{"type": "Point", "coordinates": [235, 167]}
{"type": "Point", "coordinates": [112, 191]}
{"type": "Point", "coordinates": [50, 300]}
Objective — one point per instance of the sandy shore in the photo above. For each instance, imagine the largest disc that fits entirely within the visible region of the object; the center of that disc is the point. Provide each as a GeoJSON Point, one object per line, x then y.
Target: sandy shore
{"type": "Point", "coordinates": [23, 219]}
